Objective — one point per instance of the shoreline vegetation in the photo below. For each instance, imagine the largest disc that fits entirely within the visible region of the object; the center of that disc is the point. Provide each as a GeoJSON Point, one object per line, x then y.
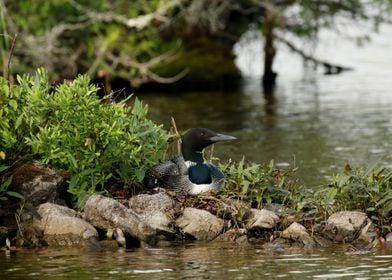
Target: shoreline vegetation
{"type": "Point", "coordinates": [71, 171]}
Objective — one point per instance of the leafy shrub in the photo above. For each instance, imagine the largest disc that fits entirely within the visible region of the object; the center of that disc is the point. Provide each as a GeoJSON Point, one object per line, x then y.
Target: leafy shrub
{"type": "Point", "coordinates": [369, 191]}
{"type": "Point", "coordinates": [261, 184]}
{"type": "Point", "coordinates": [69, 127]}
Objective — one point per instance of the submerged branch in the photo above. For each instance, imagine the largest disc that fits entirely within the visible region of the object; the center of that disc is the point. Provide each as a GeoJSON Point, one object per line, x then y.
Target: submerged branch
{"type": "Point", "coordinates": [330, 68]}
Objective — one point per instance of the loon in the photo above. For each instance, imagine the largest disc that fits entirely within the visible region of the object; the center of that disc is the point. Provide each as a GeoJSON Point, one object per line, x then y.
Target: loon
{"type": "Point", "coordinates": [189, 173]}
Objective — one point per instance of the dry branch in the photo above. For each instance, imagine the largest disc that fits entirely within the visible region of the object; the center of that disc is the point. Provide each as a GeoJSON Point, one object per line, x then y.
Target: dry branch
{"type": "Point", "coordinates": [179, 141]}
{"type": "Point", "coordinates": [9, 59]}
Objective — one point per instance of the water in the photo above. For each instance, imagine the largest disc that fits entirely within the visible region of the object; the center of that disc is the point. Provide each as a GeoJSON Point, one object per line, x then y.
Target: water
{"type": "Point", "coordinates": [197, 260]}
{"type": "Point", "coordinates": [315, 122]}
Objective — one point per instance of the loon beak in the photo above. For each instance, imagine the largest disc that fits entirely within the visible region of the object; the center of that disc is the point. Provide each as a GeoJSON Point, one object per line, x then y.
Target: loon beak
{"type": "Point", "coordinates": [222, 137]}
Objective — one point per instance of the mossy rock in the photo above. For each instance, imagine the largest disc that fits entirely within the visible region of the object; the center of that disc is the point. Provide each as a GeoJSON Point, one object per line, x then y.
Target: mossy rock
{"type": "Point", "coordinates": [210, 65]}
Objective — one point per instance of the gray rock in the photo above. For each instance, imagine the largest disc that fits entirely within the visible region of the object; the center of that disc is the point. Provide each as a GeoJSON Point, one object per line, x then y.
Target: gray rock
{"type": "Point", "coordinates": [106, 213]}
{"type": "Point", "coordinates": [200, 224]}
{"type": "Point", "coordinates": [118, 235]}
{"type": "Point", "coordinates": [109, 244]}
{"type": "Point", "coordinates": [4, 232]}
{"type": "Point", "coordinates": [278, 244]}
{"type": "Point", "coordinates": [298, 233]}
{"type": "Point", "coordinates": [61, 226]}
{"type": "Point", "coordinates": [232, 235]}
{"type": "Point", "coordinates": [38, 183]}
{"type": "Point", "coordinates": [160, 202]}
{"type": "Point", "coordinates": [323, 242]}
{"type": "Point", "coordinates": [388, 237]}
{"type": "Point", "coordinates": [347, 226]}
{"type": "Point", "coordinates": [368, 234]}
{"type": "Point", "coordinates": [261, 219]}
{"type": "Point", "coordinates": [156, 210]}
{"type": "Point", "coordinates": [229, 208]}
{"type": "Point", "coordinates": [278, 209]}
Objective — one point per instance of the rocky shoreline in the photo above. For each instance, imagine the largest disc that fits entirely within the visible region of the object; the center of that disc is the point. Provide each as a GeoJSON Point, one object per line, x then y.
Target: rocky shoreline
{"type": "Point", "coordinates": [152, 219]}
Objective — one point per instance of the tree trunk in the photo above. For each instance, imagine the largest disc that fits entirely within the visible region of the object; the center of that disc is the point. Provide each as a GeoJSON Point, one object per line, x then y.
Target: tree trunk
{"type": "Point", "coordinates": [269, 50]}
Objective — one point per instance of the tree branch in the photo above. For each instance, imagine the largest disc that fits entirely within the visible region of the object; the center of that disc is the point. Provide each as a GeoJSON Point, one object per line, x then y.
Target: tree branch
{"type": "Point", "coordinates": [137, 23]}
{"type": "Point", "coordinates": [168, 80]}
{"type": "Point", "coordinates": [144, 68]}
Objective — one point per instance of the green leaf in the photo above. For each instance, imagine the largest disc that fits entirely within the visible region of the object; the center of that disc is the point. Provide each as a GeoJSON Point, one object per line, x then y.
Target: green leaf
{"type": "Point", "coordinates": [13, 104]}
{"type": "Point", "coordinates": [139, 174]}
{"type": "Point", "coordinates": [3, 167]}
{"type": "Point", "coordinates": [15, 194]}
{"type": "Point", "coordinates": [18, 121]}
{"type": "Point", "coordinates": [245, 186]}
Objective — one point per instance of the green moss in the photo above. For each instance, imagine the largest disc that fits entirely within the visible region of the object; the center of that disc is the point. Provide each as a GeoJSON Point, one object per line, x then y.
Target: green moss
{"type": "Point", "coordinates": [210, 65]}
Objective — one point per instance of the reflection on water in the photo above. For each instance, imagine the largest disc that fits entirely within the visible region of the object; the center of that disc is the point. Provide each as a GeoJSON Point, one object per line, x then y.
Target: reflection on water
{"type": "Point", "coordinates": [197, 261]}
{"type": "Point", "coordinates": [314, 121]}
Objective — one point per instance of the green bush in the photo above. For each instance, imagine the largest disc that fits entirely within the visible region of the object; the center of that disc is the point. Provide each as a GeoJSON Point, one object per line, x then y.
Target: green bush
{"type": "Point", "coordinates": [69, 127]}
{"type": "Point", "coordinates": [369, 191]}
{"type": "Point", "coordinates": [261, 184]}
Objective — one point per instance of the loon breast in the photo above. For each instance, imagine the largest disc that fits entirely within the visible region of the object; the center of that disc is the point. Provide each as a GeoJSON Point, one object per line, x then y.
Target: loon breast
{"type": "Point", "coordinates": [199, 174]}
{"type": "Point", "coordinates": [212, 181]}
{"type": "Point", "coordinates": [201, 188]}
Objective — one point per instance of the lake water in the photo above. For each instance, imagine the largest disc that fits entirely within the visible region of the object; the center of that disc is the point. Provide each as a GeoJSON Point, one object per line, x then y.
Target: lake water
{"type": "Point", "coordinates": [198, 260]}
{"type": "Point", "coordinates": [314, 121]}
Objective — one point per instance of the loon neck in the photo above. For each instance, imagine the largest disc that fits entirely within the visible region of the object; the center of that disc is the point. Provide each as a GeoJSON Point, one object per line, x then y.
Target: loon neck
{"type": "Point", "coordinates": [194, 156]}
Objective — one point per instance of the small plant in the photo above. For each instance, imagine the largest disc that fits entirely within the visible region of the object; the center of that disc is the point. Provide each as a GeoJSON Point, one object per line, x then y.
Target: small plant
{"type": "Point", "coordinates": [5, 182]}
{"type": "Point", "coordinates": [261, 184]}
{"type": "Point", "coordinates": [369, 191]}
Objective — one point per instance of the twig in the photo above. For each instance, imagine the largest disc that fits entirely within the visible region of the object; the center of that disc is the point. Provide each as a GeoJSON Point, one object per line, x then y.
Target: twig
{"type": "Point", "coordinates": [9, 59]}
{"type": "Point", "coordinates": [179, 141]}
{"type": "Point", "coordinates": [211, 152]}
{"type": "Point", "coordinates": [18, 215]}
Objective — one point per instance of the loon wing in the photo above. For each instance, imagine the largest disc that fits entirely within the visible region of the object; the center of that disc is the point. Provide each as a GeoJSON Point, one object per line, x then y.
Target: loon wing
{"type": "Point", "coordinates": [175, 174]}
{"type": "Point", "coordinates": [167, 168]}
{"type": "Point", "coordinates": [166, 173]}
{"type": "Point", "coordinates": [217, 176]}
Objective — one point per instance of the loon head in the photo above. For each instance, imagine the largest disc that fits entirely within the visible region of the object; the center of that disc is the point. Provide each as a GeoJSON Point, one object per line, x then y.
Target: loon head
{"type": "Point", "coordinates": [196, 139]}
